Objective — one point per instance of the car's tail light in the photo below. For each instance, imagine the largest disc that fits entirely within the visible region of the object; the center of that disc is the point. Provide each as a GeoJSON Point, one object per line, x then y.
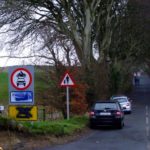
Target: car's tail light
{"type": "Point", "coordinates": [118, 113]}
{"type": "Point", "coordinates": [91, 113]}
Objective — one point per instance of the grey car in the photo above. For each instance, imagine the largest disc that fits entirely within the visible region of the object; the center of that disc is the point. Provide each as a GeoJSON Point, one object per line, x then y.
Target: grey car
{"type": "Point", "coordinates": [124, 102]}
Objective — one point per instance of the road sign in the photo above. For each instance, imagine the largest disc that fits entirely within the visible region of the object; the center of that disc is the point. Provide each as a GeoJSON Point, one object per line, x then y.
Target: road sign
{"type": "Point", "coordinates": [21, 97]}
{"type": "Point", "coordinates": [21, 78]}
{"type": "Point", "coordinates": [21, 85]}
{"type": "Point", "coordinates": [23, 113]}
{"type": "Point", "coordinates": [1, 108]}
{"type": "Point", "coordinates": [67, 80]}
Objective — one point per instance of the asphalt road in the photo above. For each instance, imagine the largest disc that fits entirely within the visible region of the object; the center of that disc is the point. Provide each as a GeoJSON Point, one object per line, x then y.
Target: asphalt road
{"type": "Point", "coordinates": [134, 136]}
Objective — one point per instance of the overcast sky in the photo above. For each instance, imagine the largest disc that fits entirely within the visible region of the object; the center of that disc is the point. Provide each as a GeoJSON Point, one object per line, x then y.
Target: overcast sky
{"type": "Point", "coordinates": [11, 62]}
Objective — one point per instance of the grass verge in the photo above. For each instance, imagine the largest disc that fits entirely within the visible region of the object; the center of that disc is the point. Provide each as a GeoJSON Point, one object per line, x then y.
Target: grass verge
{"type": "Point", "coordinates": [56, 128]}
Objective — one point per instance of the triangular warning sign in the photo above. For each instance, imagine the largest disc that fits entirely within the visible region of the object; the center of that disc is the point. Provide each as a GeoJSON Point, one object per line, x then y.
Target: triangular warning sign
{"type": "Point", "coordinates": [67, 81]}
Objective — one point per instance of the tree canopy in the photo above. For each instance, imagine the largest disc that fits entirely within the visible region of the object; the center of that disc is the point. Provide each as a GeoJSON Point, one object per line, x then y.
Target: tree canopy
{"type": "Point", "coordinates": [88, 24]}
{"type": "Point", "coordinates": [102, 36]}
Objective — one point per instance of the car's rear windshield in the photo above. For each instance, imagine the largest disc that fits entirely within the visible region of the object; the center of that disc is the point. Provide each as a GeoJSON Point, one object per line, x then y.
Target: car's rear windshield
{"type": "Point", "coordinates": [102, 106]}
{"type": "Point", "coordinates": [121, 100]}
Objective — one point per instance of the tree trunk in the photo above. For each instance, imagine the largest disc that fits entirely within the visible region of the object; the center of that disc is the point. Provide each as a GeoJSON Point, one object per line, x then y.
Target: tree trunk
{"type": "Point", "coordinates": [102, 81]}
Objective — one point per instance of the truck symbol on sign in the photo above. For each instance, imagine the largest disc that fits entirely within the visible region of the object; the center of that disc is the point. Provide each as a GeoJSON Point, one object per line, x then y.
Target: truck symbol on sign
{"type": "Point", "coordinates": [21, 79]}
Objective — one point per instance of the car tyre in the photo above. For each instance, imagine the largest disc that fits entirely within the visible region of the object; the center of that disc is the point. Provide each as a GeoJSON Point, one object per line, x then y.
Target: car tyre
{"type": "Point", "coordinates": [91, 126]}
{"type": "Point", "coordinates": [130, 112]}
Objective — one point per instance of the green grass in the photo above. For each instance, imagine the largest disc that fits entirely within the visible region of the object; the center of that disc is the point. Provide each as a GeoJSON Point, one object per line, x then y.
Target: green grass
{"type": "Point", "coordinates": [57, 128]}
{"type": "Point", "coordinates": [3, 88]}
{"type": "Point", "coordinates": [39, 83]}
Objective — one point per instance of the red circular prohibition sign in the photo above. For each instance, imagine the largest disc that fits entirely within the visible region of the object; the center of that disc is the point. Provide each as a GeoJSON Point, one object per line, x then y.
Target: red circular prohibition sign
{"type": "Point", "coordinates": [12, 76]}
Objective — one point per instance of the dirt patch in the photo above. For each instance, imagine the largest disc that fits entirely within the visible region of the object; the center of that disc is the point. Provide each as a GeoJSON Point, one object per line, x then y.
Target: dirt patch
{"type": "Point", "coordinates": [19, 141]}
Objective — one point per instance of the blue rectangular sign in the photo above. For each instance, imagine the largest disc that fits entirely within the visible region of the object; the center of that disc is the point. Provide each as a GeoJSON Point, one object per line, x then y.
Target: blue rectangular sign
{"type": "Point", "coordinates": [21, 97]}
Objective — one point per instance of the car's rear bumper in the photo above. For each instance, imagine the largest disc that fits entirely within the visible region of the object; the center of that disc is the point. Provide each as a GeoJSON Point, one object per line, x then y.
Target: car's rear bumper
{"type": "Point", "coordinates": [105, 122]}
{"type": "Point", "coordinates": [127, 110]}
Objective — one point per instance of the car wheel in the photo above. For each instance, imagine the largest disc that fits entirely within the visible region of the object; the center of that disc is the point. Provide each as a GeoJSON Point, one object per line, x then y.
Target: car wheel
{"type": "Point", "coordinates": [91, 126]}
{"type": "Point", "coordinates": [130, 112]}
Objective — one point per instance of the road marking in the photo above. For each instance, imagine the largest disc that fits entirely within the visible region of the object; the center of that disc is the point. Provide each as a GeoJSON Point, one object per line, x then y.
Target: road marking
{"type": "Point", "coordinates": [147, 126]}
{"type": "Point", "coordinates": [148, 146]}
{"type": "Point", "coordinates": [147, 121]}
{"type": "Point", "coordinates": [146, 110]}
{"type": "Point", "coordinates": [147, 131]}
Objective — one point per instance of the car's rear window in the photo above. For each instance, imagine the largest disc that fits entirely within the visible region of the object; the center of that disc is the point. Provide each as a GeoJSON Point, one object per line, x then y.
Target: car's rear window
{"type": "Point", "coordinates": [102, 106]}
{"type": "Point", "coordinates": [121, 100]}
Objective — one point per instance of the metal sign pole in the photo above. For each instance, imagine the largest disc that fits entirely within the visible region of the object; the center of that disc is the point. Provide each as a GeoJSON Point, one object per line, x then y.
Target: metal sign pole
{"type": "Point", "coordinates": [67, 96]}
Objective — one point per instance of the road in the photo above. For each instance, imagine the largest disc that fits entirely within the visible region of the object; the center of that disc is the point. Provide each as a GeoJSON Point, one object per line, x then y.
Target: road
{"type": "Point", "coordinates": [135, 135]}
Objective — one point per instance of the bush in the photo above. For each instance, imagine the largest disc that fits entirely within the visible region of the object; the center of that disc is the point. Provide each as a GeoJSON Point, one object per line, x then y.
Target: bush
{"type": "Point", "coordinates": [78, 104]}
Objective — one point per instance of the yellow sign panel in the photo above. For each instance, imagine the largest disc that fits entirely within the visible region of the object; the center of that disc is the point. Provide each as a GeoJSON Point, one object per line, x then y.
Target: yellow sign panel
{"type": "Point", "coordinates": [23, 113]}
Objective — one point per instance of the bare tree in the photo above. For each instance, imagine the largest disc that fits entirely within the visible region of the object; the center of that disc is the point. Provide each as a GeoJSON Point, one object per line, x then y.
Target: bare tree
{"type": "Point", "coordinates": [87, 25]}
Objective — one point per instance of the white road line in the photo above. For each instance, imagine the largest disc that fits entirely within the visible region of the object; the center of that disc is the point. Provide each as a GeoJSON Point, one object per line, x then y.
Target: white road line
{"type": "Point", "coordinates": [147, 121]}
{"type": "Point", "coordinates": [148, 146]}
{"type": "Point", "coordinates": [146, 110]}
{"type": "Point", "coordinates": [147, 126]}
{"type": "Point", "coordinates": [147, 131]}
